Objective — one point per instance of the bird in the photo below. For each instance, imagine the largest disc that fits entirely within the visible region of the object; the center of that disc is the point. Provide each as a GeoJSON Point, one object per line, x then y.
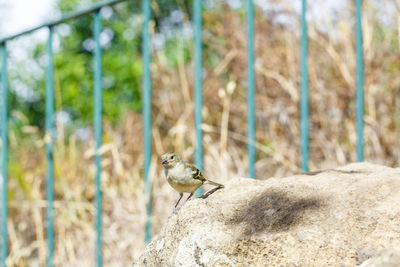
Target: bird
{"type": "Point", "coordinates": [183, 177]}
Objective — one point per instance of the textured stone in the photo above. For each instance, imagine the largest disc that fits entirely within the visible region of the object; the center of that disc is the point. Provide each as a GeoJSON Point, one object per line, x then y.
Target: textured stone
{"type": "Point", "coordinates": [342, 217]}
{"type": "Point", "coordinates": [384, 259]}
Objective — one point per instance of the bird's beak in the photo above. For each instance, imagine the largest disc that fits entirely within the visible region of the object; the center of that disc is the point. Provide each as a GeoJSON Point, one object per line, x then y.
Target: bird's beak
{"type": "Point", "coordinates": [164, 161]}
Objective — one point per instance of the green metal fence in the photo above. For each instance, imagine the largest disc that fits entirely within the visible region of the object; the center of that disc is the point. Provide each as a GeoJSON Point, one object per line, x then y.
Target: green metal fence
{"type": "Point", "coordinates": [147, 114]}
{"type": "Point", "coordinates": [97, 120]}
{"type": "Point", "coordinates": [304, 89]}
{"type": "Point", "coordinates": [251, 121]}
{"type": "Point", "coordinates": [4, 140]}
{"type": "Point", "coordinates": [198, 97]}
{"type": "Point", "coordinates": [49, 137]}
{"type": "Point", "coordinates": [49, 147]}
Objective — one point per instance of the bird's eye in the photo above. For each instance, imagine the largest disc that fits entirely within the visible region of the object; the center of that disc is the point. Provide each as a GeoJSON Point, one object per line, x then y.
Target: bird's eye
{"type": "Point", "coordinates": [172, 157]}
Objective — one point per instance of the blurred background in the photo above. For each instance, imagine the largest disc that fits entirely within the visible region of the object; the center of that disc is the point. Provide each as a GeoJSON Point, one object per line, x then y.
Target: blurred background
{"type": "Point", "coordinates": [277, 52]}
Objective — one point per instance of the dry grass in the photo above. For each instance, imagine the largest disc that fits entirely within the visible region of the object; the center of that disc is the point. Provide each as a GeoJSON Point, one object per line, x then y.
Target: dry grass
{"type": "Point", "coordinates": [332, 133]}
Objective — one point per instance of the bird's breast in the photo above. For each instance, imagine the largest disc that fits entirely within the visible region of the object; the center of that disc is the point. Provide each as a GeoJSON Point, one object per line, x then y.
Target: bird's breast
{"type": "Point", "coordinates": [181, 179]}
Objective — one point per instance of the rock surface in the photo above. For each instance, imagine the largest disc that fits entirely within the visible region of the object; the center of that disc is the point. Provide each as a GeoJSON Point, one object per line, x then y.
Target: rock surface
{"type": "Point", "coordinates": [347, 216]}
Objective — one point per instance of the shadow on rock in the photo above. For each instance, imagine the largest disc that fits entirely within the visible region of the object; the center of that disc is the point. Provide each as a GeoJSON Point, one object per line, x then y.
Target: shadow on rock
{"type": "Point", "coordinates": [273, 211]}
{"type": "Point", "coordinates": [334, 170]}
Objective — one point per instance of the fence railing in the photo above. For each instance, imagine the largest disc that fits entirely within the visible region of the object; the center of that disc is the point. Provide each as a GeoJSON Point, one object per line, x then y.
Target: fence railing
{"type": "Point", "coordinates": [146, 93]}
{"type": "Point", "coordinates": [49, 136]}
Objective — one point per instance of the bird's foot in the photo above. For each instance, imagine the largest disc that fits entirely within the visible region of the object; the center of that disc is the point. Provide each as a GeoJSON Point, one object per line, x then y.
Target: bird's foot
{"type": "Point", "coordinates": [175, 210]}
{"type": "Point", "coordinates": [211, 191]}
{"type": "Point", "coordinates": [172, 213]}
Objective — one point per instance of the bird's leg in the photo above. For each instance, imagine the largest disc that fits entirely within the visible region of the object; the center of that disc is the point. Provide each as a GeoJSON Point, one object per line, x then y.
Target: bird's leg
{"type": "Point", "coordinates": [180, 197]}
{"type": "Point", "coordinates": [191, 194]}
{"type": "Point", "coordinates": [174, 210]}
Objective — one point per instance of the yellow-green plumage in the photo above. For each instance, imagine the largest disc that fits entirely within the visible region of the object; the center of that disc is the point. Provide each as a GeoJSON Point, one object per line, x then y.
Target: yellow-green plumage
{"type": "Point", "coordinates": [182, 176]}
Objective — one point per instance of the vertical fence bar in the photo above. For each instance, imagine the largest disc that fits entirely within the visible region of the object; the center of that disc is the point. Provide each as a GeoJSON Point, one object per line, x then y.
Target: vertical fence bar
{"type": "Point", "coordinates": [4, 155]}
{"type": "Point", "coordinates": [251, 128]}
{"type": "Point", "coordinates": [198, 85]}
{"type": "Point", "coordinates": [49, 148]}
{"type": "Point", "coordinates": [98, 132]}
{"type": "Point", "coordinates": [304, 89]}
{"type": "Point", "coordinates": [147, 116]}
{"type": "Point", "coordinates": [359, 83]}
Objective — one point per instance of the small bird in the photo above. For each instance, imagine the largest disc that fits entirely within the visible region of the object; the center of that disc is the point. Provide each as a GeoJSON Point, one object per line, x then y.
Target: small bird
{"type": "Point", "coordinates": [182, 176]}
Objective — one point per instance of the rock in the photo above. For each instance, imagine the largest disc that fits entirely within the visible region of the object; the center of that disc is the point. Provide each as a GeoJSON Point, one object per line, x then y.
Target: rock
{"type": "Point", "coordinates": [340, 217]}
{"type": "Point", "coordinates": [385, 259]}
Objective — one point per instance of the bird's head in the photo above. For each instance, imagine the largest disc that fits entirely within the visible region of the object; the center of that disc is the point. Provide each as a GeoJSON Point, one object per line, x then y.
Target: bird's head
{"type": "Point", "coordinates": [169, 160]}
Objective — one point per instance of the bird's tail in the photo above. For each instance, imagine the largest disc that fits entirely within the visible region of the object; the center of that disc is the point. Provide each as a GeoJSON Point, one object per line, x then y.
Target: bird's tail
{"type": "Point", "coordinates": [214, 183]}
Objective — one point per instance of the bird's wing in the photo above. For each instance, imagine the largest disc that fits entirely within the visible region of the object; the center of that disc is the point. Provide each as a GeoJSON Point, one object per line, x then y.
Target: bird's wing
{"type": "Point", "coordinates": [196, 173]}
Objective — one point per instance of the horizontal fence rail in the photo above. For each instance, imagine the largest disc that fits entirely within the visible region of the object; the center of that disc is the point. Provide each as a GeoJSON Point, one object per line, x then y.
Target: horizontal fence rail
{"type": "Point", "coordinates": [68, 17]}
{"type": "Point", "coordinates": [146, 109]}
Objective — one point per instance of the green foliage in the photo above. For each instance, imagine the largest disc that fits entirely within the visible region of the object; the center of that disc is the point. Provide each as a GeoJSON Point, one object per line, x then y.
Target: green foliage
{"type": "Point", "coordinates": [16, 171]}
{"type": "Point", "coordinates": [73, 61]}
{"type": "Point", "coordinates": [121, 68]}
